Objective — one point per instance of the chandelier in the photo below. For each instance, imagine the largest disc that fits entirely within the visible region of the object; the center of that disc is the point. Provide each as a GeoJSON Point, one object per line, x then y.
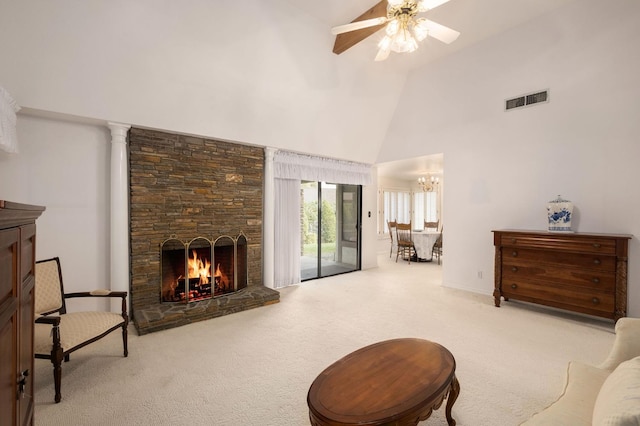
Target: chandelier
{"type": "Point", "coordinates": [429, 184]}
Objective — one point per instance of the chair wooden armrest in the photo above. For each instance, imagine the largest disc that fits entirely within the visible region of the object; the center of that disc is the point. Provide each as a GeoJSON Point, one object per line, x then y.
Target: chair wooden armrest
{"type": "Point", "coordinates": [53, 320]}
{"type": "Point", "coordinates": [96, 293]}
{"type": "Point", "coordinates": [101, 293]}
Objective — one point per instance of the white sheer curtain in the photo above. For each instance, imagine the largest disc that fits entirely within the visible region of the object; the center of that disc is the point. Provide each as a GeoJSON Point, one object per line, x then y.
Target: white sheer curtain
{"type": "Point", "coordinates": [290, 165]}
{"type": "Point", "coordinates": [289, 169]}
{"type": "Point", "coordinates": [8, 110]}
{"type": "Point", "coordinates": [287, 232]}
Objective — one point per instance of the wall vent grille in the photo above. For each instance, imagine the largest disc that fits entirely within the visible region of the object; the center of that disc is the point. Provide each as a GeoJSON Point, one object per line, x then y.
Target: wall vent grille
{"type": "Point", "coordinates": [526, 100]}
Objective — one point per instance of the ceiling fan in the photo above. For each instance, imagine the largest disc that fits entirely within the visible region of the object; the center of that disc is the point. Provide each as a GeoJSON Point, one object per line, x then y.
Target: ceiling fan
{"type": "Point", "coordinates": [403, 29]}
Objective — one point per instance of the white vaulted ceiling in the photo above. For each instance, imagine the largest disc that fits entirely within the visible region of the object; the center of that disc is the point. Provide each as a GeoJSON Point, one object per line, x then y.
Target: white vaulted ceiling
{"type": "Point", "coordinates": [259, 71]}
{"type": "Point", "coordinates": [476, 20]}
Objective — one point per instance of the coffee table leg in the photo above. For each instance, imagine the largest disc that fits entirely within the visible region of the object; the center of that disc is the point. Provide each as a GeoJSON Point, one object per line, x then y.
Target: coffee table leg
{"type": "Point", "coordinates": [451, 399]}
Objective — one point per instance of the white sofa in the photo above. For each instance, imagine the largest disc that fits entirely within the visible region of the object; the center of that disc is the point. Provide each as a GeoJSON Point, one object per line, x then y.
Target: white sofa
{"type": "Point", "coordinates": [608, 394]}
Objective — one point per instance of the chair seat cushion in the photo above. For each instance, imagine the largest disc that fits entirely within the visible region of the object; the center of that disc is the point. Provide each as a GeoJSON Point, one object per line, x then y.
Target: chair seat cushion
{"type": "Point", "coordinates": [75, 328]}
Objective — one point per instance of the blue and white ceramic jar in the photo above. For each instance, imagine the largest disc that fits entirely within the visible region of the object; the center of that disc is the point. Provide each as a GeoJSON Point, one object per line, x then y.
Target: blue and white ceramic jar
{"type": "Point", "coordinates": [559, 212]}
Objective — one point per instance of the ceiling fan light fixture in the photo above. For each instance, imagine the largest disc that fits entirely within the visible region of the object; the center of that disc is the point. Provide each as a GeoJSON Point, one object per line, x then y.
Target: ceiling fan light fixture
{"type": "Point", "coordinates": [412, 45]}
{"type": "Point", "coordinates": [422, 6]}
{"type": "Point", "coordinates": [421, 29]}
{"type": "Point", "coordinates": [404, 42]}
{"type": "Point", "coordinates": [392, 28]}
{"type": "Point", "coordinates": [420, 34]}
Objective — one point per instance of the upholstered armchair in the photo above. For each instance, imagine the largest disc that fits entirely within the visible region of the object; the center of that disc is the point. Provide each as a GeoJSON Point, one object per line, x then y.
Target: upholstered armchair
{"type": "Point", "coordinates": [58, 332]}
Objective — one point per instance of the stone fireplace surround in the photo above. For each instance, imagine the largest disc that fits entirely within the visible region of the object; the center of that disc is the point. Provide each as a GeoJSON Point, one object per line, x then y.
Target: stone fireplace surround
{"type": "Point", "coordinates": [188, 187]}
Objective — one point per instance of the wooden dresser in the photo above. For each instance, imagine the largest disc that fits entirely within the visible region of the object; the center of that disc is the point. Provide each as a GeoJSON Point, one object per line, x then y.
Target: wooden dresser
{"type": "Point", "coordinates": [579, 272]}
{"type": "Point", "coordinates": [17, 280]}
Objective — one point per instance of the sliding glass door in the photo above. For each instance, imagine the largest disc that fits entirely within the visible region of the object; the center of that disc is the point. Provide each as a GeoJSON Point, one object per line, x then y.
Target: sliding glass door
{"type": "Point", "coordinates": [330, 229]}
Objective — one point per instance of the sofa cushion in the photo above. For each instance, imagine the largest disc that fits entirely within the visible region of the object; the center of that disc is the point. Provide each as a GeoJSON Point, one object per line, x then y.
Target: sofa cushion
{"type": "Point", "coordinates": [618, 402]}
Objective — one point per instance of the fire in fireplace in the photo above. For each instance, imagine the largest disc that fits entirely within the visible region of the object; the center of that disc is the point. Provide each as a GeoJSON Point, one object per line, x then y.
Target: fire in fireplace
{"type": "Point", "coordinates": [187, 272]}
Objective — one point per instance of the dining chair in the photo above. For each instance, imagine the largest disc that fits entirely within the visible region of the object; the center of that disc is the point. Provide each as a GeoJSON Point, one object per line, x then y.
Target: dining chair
{"type": "Point", "coordinates": [431, 225]}
{"type": "Point", "coordinates": [392, 228]}
{"type": "Point", "coordinates": [437, 248]}
{"type": "Point", "coordinates": [404, 241]}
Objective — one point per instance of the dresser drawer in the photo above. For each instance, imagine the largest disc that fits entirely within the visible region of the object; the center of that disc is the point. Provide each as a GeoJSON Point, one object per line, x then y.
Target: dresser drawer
{"type": "Point", "coordinates": [564, 276]}
{"type": "Point", "coordinates": [562, 243]}
{"type": "Point", "coordinates": [523, 256]}
{"type": "Point", "coordinates": [559, 296]}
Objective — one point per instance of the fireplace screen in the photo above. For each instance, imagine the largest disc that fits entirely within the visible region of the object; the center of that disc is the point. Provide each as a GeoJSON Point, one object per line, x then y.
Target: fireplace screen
{"type": "Point", "coordinates": [201, 269]}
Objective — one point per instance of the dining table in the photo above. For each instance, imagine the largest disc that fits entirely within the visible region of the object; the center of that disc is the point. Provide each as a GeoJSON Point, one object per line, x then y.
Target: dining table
{"type": "Point", "coordinates": [423, 242]}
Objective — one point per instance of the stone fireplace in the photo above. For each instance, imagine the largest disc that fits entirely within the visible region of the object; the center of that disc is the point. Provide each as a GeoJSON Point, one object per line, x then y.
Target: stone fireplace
{"type": "Point", "coordinates": [195, 203]}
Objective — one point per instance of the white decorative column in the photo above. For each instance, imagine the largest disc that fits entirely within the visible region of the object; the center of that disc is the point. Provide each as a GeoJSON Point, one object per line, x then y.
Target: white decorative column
{"type": "Point", "coordinates": [119, 213]}
{"type": "Point", "coordinates": [268, 217]}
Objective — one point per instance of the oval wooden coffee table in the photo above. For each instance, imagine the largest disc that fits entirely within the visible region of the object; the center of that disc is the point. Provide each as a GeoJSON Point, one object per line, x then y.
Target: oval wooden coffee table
{"type": "Point", "coordinates": [397, 382]}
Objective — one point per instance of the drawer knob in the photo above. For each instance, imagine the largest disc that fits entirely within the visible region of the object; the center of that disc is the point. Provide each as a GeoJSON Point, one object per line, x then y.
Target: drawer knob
{"type": "Point", "coordinates": [595, 300]}
{"type": "Point", "coordinates": [595, 280]}
{"type": "Point", "coordinates": [596, 245]}
{"type": "Point", "coordinates": [514, 253]}
{"type": "Point", "coordinates": [513, 241]}
{"type": "Point", "coordinates": [514, 268]}
{"type": "Point", "coordinates": [596, 261]}
{"type": "Point", "coordinates": [514, 286]}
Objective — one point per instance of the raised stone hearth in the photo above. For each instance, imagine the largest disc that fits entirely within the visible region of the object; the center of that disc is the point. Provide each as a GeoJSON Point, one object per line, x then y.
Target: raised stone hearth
{"type": "Point", "coordinates": [162, 316]}
{"type": "Point", "coordinates": [186, 187]}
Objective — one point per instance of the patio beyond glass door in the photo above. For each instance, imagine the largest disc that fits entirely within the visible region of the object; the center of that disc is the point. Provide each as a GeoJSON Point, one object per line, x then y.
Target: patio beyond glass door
{"type": "Point", "coordinates": [330, 229]}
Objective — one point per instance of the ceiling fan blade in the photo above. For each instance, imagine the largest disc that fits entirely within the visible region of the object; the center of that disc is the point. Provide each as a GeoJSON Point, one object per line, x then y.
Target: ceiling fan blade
{"type": "Point", "coordinates": [440, 32]}
{"type": "Point", "coordinates": [358, 25]}
{"type": "Point", "coordinates": [431, 4]}
{"type": "Point", "coordinates": [346, 40]}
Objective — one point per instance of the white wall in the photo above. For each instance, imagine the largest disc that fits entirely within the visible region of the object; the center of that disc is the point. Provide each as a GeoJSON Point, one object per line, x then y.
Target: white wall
{"type": "Point", "coordinates": [369, 227]}
{"type": "Point", "coordinates": [503, 167]}
{"type": "Point", "coordinates": [64, 166]}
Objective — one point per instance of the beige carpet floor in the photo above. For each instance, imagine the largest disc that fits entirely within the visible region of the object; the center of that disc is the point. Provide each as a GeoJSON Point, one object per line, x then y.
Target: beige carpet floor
{"type": "Point", "coordinates": [255, 367]}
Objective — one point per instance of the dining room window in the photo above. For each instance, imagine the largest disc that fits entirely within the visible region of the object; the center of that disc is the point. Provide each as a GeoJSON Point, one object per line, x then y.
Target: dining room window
{"type": "Point", "coordinates": [426, 207]}
{"type": "Point", "coordinates": [396, 206]}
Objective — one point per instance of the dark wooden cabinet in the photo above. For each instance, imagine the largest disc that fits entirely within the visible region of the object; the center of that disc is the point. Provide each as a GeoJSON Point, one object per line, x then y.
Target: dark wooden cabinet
{"type": "Point", "coordinates": [584, 273]}
{"type": "Point", "coordinates": [17, 281]}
